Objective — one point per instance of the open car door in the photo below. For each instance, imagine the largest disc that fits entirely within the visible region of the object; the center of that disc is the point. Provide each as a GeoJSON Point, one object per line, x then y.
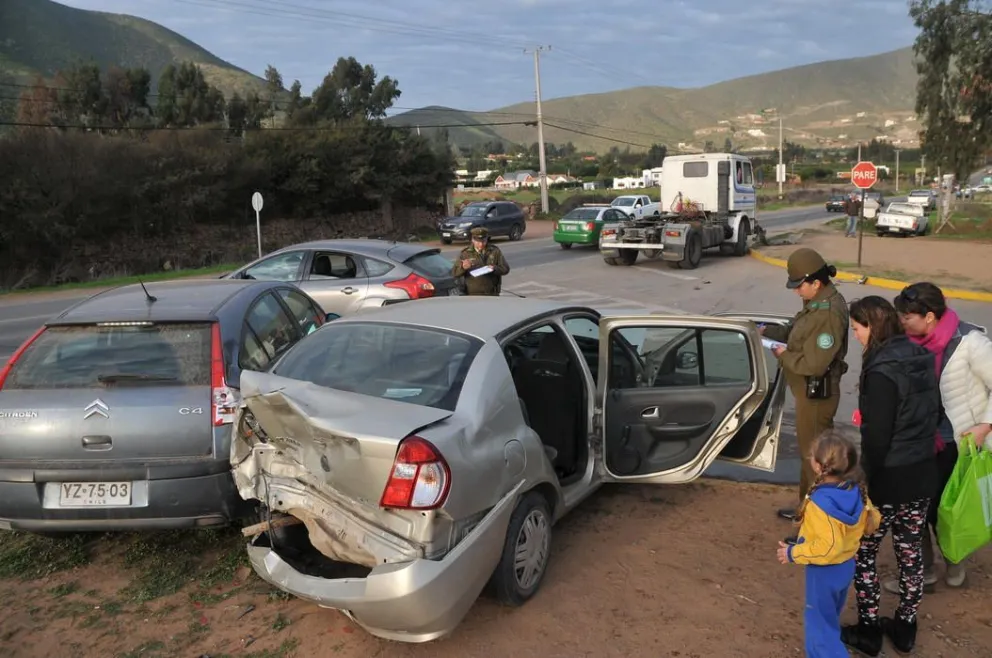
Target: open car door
{"type": "Point", "coordinates": [682, 390]}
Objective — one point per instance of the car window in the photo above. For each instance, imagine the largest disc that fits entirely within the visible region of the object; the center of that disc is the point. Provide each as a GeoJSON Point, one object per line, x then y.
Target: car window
{"type": "Point", "coordinates": [333, 265]}
{"type": "Point", "coordinates": [281, 267]}
{"type": "Point", "coordinates": [698, 169]}
{"type": "Point", "coordinates": [585, 331]}
{"type": "Point", "coordinates": [272, 330]}
{"type": "Point", "coordinates": [87, 356]}
{"type": "Point", "coordinates": [429, 264]}
{"type": "Point", "coordinates": [679, 357]}
{"type": "Point", "coordinates": [623, 201]}
{"type": "Point", "coordinates": [472, 211]}
{"type": "Point", "coordinates": [307, 316]}
{"type": "Point", "coordinates": [374, 268]}
{"type": "Point", "coordinates": [410, 364]}
{"type": "Point", "coordinates": [748, 178]}
{"type": "Point", "coordinates": [582, 214]}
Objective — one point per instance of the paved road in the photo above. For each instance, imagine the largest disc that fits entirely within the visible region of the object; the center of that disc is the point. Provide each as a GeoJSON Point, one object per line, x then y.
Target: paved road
{"type": "Point", "coordinates": [18, 319]}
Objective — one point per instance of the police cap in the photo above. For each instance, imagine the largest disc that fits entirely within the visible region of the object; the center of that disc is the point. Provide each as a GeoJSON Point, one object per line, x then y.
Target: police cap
{"type": "Point", "coordinates": [803, 263]}
{"type": "Point", "coordinates": [480, 233]}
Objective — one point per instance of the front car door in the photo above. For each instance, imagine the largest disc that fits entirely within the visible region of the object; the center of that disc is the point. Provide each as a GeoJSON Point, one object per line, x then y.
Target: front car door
{"type": "Point", "coordinates": [284, 266]}
{"type": "Point", "coordinates": [681, 392]}
{"type": "Point", "coordinates": [337, 281]}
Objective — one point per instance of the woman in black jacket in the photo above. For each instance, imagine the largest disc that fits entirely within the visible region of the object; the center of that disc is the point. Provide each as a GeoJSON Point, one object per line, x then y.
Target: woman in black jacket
{"type": "Point", "coordinates": [900, 407]}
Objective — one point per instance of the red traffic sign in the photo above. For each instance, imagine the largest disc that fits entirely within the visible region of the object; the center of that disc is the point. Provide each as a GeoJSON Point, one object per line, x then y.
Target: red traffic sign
{"type": "Point", "coordinates": [864, 175]}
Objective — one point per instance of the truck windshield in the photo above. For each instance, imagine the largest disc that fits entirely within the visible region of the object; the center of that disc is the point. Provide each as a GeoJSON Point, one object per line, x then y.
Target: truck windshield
{"type": "Point", "coordinates": [623, 201]}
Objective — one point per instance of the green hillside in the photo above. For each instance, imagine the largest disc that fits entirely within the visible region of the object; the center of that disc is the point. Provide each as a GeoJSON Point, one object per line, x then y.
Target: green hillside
{"type": "Point", "coordinates": [471, 135]}
{"type": "Point", "coordinates": [819, 104]}
{"type": "Point", "coordinates": [39, 36]}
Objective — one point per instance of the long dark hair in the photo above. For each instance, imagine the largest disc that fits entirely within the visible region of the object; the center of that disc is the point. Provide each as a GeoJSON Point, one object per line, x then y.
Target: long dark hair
{"type": "Point", "coordinates": [921, 298]}
{"type": "Point", "coordinates": [879, 316]}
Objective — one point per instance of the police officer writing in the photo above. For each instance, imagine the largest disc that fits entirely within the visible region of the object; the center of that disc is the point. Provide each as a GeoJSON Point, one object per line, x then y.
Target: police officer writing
{"type": "Point", "coordinates": [813, 356]}
{"type": "Point", "coordinates": [481, 254]}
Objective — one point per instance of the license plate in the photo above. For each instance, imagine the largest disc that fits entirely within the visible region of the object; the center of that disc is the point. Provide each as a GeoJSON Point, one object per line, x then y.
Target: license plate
{"type": "Point", "coordinates": [95, 494]}
{"type": "Point", "coordinates": [445, 235]}
{"type": "Point", "coordinates": [570, 228]}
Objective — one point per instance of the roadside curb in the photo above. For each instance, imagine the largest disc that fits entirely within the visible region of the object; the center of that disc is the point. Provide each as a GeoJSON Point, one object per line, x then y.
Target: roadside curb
{"type": "Point", "coordinates": [891, 284]}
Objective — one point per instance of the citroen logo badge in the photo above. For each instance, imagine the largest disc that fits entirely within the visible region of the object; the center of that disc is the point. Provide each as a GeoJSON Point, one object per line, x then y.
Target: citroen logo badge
{"type": "Point", "coordinates": [96, 407]}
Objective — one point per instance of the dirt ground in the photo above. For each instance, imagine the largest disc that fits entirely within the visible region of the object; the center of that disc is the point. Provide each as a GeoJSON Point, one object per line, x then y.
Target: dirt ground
{"type": "Point", "coordinates": [948, 262]}
{"type": "Point", "coordinates": [686, 571]}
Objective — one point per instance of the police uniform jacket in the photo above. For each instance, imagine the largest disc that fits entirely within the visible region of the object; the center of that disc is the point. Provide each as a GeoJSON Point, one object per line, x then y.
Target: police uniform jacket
{"type": "Point", "coordinates": [486, 284]}
{"type": "Point", "coordinates": [816, 343]}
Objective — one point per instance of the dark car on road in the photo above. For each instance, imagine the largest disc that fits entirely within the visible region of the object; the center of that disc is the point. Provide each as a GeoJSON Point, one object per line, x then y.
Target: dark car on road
{"type": "Point", "coordinates": [116, 414]}
{"type": "Point", "coordinates": [502, 218]}
{"type": "Point", "coordinates": [836, 203]}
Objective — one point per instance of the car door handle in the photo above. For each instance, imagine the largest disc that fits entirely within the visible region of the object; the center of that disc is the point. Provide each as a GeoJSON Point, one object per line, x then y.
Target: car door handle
{"type": "Point", "coordinates": [97, 442]}
{"type": "Point", "coordinates": [349, 290]}
{"type": "Point", "coordinates": [652, 412]}
{"type": "Point", "coordinates": [679, 428]}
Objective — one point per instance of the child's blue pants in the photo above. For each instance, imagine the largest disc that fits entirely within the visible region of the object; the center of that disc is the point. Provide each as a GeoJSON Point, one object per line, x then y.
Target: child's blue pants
{"type": "Point", "coordinates": [826, 593]}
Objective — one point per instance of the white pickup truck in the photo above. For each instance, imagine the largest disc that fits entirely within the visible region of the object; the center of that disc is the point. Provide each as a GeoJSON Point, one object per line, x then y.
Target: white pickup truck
{"type": "Point", "coordinates": [903, 219]}
{"type": "Point", "coordinates": [636, 206]}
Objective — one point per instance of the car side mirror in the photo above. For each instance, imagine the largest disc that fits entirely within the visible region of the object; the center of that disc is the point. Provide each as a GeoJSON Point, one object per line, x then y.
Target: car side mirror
{"type": "Point", "coordinates": [686, 361]}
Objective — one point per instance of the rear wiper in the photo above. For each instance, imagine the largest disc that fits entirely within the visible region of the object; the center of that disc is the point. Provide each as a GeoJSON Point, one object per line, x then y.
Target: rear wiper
{"type": "Point", "coordinates": [121, 377]}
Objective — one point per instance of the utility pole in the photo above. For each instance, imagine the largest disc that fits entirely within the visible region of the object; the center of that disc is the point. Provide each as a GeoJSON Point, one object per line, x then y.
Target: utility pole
{"type": "Point", "coordinates": [781, 162]}
{"type": "Point", "coordinates": [897, 170]}
{"type": "Point", "coordinates": [540, 129]}
{"type": "Point", "coordinates": [859, 152]}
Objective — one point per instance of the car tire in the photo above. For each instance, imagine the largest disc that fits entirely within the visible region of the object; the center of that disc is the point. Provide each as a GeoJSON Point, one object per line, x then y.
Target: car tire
{"type": "Point", "coordinates": [529, 535]}
{"type": "Point", "coordinates": [565, 245]}
{"type": "Point", "coordinates": [445, 240]}
{"type": "Point", "coordinates": [516, 232]}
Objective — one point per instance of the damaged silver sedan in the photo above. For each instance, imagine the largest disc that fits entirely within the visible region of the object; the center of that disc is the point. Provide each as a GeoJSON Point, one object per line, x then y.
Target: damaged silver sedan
{"type": "Point", "coordinates": [409, 457]}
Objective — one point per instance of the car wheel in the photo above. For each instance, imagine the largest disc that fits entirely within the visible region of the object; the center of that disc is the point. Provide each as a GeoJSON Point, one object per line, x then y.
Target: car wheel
{"type": "Point", "coordinates": [516, 231]}
{"type": "Point", "coordinates": [445, 240]}
{"type": "Point", "coordinates": [565, 245]}
{"type": "Point", "coordinates": [526, 552]}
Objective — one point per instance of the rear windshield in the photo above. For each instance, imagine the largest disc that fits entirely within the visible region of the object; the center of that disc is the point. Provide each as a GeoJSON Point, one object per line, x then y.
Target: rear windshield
{"type": "Point", "coordinates": [91, 356]}
{"type": "Point", "coordinates": [583, 213]}
{"type": "Point", "coordinates": [429, 263]}
{"type": "Point", "coordinates": [411, 364]}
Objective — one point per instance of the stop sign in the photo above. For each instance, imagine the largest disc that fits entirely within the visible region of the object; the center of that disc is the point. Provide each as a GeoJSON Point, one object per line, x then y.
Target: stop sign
{"type": "Point", "coordinates": [864, 175]}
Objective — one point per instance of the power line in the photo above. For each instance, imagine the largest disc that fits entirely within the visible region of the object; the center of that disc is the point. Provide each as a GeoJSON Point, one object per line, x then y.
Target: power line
{"type": "Point", "coordinates": [25, 124]}
{"type": "Point", "coordinates": [603, 137]}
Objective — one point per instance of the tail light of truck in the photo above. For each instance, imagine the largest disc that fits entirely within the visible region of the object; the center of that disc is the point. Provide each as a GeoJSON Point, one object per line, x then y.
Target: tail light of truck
{"type": "Point", "coordinates": [672, 234]}
{"type": "Point", "coordinates": [609, 232]}
{"type": "Point", "coordinates": [223, 399]}
{"type": "Point", "coordinates": [415, 286]}
{"type": "Point", "coordinates": [17, 354]}
{"type": "Point", "coordinates": [420, 479]}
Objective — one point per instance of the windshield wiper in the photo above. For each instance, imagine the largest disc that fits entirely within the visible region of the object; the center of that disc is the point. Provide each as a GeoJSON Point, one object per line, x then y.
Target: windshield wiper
{"type": "Point", "coordinates": [121, 377]}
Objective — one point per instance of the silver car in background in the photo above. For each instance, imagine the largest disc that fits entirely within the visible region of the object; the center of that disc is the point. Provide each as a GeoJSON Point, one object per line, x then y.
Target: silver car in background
{"type": "Point", "coordinates": [427, 449]}
{"type": "Point", "coordinates": [345, 276]}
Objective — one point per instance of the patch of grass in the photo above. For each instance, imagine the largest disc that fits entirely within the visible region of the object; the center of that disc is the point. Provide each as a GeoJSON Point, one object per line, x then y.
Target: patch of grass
{"type": "Point", "coordinates": [280, 622]}
{"type": "Point", "coordinates": [65, 589]}
{"type": "Point", "coordinates": [27, 556]}
{"type": "Point", "coordinates": [284, 650]}
{"type": "Point", "coordinates": [125, 280]}
{"type": "Point", "coordinates": [166, 562]}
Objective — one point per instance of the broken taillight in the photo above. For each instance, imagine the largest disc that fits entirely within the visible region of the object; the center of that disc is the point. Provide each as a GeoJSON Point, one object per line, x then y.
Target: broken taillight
{"type": "Point", "coordinates": [420, 477]}
{"type": "Point", "coordinates": [223, 399]}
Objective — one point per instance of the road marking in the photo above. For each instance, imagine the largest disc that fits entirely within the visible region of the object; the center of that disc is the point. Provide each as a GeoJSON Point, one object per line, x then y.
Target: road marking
{"type": "Point", "coordinates": [27, 319]}
{"type": "Point", "coordinates": [674, 275]}
{"type": "Point", "coordinates": [588, 298]}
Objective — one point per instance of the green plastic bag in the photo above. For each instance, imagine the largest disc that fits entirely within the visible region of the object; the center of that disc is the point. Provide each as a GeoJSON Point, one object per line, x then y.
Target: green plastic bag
{"type": "Point", "coordinates": [964, 518]}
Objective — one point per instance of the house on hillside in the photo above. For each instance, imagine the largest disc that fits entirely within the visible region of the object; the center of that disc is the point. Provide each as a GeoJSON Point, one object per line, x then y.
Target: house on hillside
{"type": "Point", "coordinates": [483, 175]}
{"type": "Point", "coordinates": [593, 185]}
{"type": "Point", "coordinates": [652, 176]}
{"type": "Point", "coordinates": [554, 179]}
{"type": "Point", "coordinates": [628, 182]}
{"type": "Point", "coordinates": [513, 180]}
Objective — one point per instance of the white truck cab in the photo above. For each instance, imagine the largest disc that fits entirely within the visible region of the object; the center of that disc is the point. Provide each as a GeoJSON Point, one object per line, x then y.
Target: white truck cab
{"type": "Point", "coordinates": [707, 200]}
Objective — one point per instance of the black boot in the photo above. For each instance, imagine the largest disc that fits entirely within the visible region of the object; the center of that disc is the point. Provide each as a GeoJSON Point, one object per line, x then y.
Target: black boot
{"type": "Point", "coordinates": [902, 633]}
{"type": "Point", "coordinates": [865, 637]}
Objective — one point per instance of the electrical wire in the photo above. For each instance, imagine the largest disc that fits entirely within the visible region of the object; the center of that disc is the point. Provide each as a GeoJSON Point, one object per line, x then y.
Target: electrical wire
{"type": "Point", "coordinates": [27, 124]}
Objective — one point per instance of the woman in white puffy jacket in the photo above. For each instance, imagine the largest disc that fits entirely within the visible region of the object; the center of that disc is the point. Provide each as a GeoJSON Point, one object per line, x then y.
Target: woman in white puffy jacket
{"type": "Point", "coordinates": [963, 353]}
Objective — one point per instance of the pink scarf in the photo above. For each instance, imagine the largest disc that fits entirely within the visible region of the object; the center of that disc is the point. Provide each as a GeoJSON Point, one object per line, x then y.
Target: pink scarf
{"type": "Point", "coordinates": [936, 342]}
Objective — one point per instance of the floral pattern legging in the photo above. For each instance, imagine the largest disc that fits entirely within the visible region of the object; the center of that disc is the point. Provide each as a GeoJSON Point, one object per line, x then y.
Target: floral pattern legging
{"type": "Point", "coordinates": [906, 521]}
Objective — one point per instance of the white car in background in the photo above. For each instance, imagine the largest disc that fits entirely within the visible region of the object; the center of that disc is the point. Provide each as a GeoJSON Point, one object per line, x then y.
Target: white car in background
{"type": "Point", "coordinates": [903, 218]}
{"type": "Point", "coordinates": [925, 198]}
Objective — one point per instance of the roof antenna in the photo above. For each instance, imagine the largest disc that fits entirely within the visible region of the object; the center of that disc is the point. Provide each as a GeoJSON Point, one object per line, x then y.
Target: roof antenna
{"type": "Point", "coordinates": [148, 296]}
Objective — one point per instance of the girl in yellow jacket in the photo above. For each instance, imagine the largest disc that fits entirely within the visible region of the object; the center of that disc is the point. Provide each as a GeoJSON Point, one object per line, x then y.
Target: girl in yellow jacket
{"type": "Point", "coordinates": [832, 519]}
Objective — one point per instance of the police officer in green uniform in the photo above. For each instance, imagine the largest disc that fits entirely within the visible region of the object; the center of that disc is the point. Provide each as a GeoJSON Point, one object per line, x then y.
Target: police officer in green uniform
{"type": "Point", "coordinates": [481, 254]}
{"type": "Point", "coordinates": [813, 358]}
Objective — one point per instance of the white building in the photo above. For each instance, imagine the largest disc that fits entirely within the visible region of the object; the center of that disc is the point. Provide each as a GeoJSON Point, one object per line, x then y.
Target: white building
{"type": "Point", "coordinates": [652, 177]}
{"type": "Point", "coordinates": [628, 183]}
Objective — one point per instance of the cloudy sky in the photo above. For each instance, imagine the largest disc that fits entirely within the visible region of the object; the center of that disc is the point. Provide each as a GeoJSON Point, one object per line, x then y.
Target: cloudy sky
{"type": "Point", "coordinates": [470, 54]}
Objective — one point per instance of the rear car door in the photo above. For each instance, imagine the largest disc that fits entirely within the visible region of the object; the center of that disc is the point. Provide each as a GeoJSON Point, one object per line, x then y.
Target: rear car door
{"type": "Point", "coordinates": [679, 391]}
{"type": "Point", "coordinates": [268, 331]}
{"type": "Point", "coordinates": [336, 280]}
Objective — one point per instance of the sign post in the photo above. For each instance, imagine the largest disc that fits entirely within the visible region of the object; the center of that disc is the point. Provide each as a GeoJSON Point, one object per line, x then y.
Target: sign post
{"type": "Point", "coordinates": [256, 204]}
{"type": "Point", "coordinates": [864, 175]}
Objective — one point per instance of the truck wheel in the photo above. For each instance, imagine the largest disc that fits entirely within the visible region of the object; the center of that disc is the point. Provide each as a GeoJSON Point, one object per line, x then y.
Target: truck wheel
{"type": "Point", "coordinates": [652, 253]}
{"type": "Point", "coordinates": [693, 252]}
{"type": "Point", "coordinates": [628, 257]}
{"type": "Point", "coordinates": [743, 231]}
